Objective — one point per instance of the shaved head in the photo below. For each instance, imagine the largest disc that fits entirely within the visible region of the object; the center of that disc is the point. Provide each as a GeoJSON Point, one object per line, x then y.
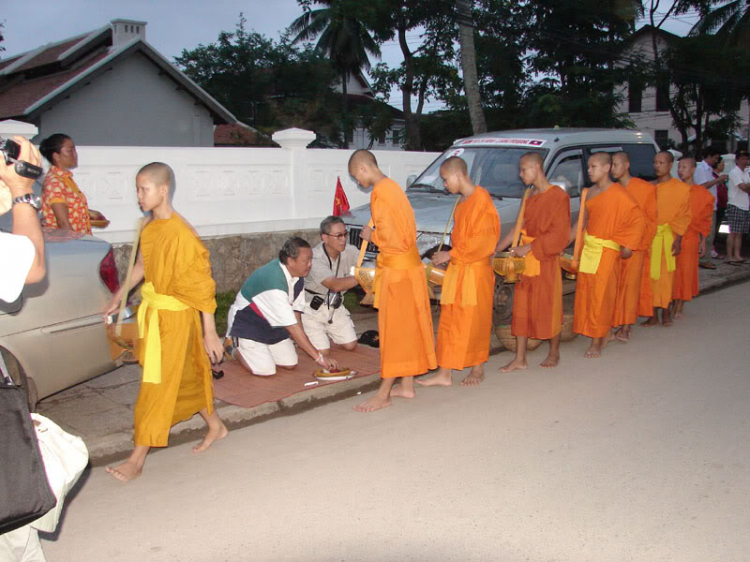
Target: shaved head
{"type": "Point", "coordinates": [622, 156]}
{"type": "Point", "coordinates": [690, 160]}
{"type": "Point", "coordinates": [160, 174]}
{"type": "Point", "coordinates": [362, 157]}
{"type": "Point", "coordinates": [533, 158]}
{"type": "Point", "coordinates": [602, 158]}
{"type": "Point", "coordinates": [668, 155]}
{"type": "Point", "coordinates": [455, 165]}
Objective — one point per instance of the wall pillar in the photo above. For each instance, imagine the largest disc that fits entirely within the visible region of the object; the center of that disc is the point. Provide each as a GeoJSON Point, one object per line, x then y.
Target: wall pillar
{"type": "Point", "coordinates": [294, 141]}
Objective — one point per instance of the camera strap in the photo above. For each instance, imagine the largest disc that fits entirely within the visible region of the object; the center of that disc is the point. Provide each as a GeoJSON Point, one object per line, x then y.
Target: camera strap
{"type": "Point", "coordinates": [335, 274]}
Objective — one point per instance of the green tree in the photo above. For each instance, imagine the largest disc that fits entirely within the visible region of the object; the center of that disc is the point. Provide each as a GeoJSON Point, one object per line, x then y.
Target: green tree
{"type": "Point", "coordinates": [342, 37]}
{"type": "Point", "coordinates": [729, 21]}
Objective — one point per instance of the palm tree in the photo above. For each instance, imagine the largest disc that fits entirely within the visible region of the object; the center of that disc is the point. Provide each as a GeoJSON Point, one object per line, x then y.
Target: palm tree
{"type": "Point", "coordinates": [730, 22]}
{"type": "Point", "coordinates": [344, 40]}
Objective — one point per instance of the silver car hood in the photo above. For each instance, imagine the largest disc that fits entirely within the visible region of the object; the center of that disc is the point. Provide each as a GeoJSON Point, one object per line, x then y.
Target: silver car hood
{"type": "Point", "coordinates": [432, 211]}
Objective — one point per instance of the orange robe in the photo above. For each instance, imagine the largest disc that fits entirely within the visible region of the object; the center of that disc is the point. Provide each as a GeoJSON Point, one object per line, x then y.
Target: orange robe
{"type": "Point", "coordinates": [634, 288]}
{"type": "Point", "coordinates": [673, 208]}
{"type": "Point", "coordinates": [464, 332]}
{"type": "Point", "coordinates": [702, 212]}
{"type": "Point", "coordinates": [404, 318]}
{"type": "Point", "coordinates": [537, 302]}
{"type": "Point", "coordinates": [178, 265]}
{"type": "Point", "coordinates": [613, 215]}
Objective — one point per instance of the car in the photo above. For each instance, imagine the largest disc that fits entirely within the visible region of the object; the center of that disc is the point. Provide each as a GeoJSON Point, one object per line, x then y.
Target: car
{"type": "Point", "coordinates": [53, 336]}
{"type": "Point", "coordinates": [493, 160]}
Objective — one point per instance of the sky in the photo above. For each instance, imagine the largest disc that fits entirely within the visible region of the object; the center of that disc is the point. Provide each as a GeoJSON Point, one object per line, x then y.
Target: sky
{"type": "Point", "coordinates": [174, 25]}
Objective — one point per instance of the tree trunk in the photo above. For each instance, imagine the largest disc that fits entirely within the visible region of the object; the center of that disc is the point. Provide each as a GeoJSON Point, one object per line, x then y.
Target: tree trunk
{"type": "Point", "coordinates": [412, 121]}
{"type": "Point", "coordinates": [345, 100]}
{"type": "Point", "coordinates": [469, 66]}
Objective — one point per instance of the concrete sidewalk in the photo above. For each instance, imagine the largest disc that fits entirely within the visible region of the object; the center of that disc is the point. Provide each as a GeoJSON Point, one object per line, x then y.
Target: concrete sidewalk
{"type": "Point", "coordinates": [101, 410]}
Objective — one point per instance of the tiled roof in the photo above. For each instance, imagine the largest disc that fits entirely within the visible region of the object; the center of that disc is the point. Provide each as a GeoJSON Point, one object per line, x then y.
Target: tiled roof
{"type": "Point", "coordinates": [49, 55]}
{"type": "Point", "coordinates": [8, 62]}
{"type": "Point", "coordinates": [238, 134]}
{"type": "Point", "coordinates": [14, 101]}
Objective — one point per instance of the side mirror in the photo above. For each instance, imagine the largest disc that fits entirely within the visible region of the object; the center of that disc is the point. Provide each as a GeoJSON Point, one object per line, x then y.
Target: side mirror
{"type": "Point", "coordinates": [410, 180]}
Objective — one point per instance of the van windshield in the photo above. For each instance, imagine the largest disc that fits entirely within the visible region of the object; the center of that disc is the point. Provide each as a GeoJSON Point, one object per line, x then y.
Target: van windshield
{"type": "Point", "coordinates": [494, 168]}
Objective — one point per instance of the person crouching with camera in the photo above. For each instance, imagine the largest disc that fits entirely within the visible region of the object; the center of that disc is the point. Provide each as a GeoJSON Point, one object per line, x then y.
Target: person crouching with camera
{"type": "Point", "coordinates": [325, 318]}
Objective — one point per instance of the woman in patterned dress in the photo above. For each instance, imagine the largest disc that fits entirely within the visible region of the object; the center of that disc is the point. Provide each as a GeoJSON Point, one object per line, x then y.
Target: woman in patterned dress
{"type": "Point", "coordinates": [63, 204]}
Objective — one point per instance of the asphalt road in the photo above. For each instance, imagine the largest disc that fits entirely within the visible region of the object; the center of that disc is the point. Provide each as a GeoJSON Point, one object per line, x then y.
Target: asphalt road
{"type": "Point", "coordinates": [641, 455]}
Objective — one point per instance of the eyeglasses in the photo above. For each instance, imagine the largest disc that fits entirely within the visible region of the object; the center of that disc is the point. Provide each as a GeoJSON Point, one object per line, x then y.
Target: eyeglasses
{"type": "Point", "coordinates": [339, 236]}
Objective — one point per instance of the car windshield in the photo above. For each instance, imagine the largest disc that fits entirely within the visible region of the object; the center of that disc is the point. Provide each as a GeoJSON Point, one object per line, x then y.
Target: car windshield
{"type": "Point", "coordinates": [494, 168]}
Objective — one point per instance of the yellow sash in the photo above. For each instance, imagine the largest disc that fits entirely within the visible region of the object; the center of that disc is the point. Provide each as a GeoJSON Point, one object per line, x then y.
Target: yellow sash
{"type": "Point", "coordinates": [469, 288]}
{"type": "Point", "coordinates": [533, 266]}
{"type": "Point", "coordinates": [662, 243]}
{"type": "Point", "coordinates": [152, 299]}
{"type": "Point", "coordinates": [408, 260]}
{"type": "Point", "coordinates": [593, 247]}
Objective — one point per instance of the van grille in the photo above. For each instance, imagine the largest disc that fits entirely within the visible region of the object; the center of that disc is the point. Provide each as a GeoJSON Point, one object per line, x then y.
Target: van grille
{"type": "Point", "coordinates": [355, 239]}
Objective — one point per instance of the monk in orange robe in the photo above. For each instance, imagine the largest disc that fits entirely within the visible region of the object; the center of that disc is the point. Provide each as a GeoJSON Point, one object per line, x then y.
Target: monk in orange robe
{"type": "Point", "coordinates": [404, 318]}
{"type": "Point", "coordinates": [466, 301]}
{"type": "Point", "coordinates": [175, 352]}
{"type": "Point", "coordinates": [632, 301]}
{"type": "Point", "coordinates": [694, 242]}
{"type": "Point", "coordinates": [673, 219]}
{"type": "Point", "coordinates": [613, 227]}
{"type": "Point", "coordinates": [537, 302]}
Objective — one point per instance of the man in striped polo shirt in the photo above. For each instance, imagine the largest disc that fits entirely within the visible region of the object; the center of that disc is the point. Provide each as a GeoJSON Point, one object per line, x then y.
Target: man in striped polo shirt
{"type": "Point", "coordinates": [268, 310]}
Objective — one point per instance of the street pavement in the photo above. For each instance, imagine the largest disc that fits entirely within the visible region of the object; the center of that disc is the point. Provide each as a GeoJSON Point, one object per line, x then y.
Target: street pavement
{"type": "Point", "coordinates": [641, 455]}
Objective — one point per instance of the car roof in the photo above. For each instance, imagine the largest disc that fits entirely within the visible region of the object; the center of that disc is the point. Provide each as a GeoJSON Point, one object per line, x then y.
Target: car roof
{"type": "Point", "coordinates": [545, 138]}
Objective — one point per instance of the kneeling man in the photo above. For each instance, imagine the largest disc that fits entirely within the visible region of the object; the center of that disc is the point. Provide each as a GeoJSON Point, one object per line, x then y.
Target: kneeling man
{"type": "Point", "coordinates": [268, 310]}
{"type": "Point", "coordinates": [325, 318]}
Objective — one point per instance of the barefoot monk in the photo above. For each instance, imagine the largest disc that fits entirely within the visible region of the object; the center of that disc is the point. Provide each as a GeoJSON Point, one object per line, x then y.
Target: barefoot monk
{"type": "Point", "coordinates": [694, 244]}
{"type": "Point", "coordinates": [537, 303]}
{"type": "Point", "coordinates": [466, 300]}
{"type": "Point", "coordinates": [613, 227]}
{"type": "Point", "coordinates": [176, 351]}
{"type": "Point", "coordinates": [404, 320]}
{"type": "Point", "coordinates": [634, 287]}
{"type": "Point", "coordinates": [673, 217]}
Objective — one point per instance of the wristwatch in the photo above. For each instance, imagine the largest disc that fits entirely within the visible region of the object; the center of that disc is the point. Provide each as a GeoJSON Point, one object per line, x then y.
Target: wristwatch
{"type": "Point", "coordinates": [30, 199]}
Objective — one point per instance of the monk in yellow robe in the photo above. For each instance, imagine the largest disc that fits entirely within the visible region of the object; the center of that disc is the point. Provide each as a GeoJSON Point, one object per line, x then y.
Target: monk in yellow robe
{"type": "Point", "coordinates": [613, 227]}
{"type": "Point", "coordinates": [176, 353]}
{"type": "Point", "coordinates": [673, 218]}
{"type": "Point", "coordinates": [407, 345]}
{"type": "Point", "coordinates": [537, 300]}
{"type": "Point", "coordinates": [694, 242]}
{"type": "Point", "coordinates": [632, 300]}
{"type": "Point", "coordinates": [466, 300]}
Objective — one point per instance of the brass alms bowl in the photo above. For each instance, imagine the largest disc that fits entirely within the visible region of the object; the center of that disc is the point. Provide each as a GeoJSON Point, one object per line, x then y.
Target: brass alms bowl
{"type": "Point", "coordinates": [509, 267]}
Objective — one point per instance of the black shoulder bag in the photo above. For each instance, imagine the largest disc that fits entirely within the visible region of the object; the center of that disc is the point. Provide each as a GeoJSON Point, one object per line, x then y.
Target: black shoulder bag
{"type": "Point", "coordinates": [25, 494]}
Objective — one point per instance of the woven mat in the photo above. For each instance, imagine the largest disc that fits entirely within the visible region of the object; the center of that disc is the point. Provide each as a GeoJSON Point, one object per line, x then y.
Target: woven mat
{"type": "Point", "coordinates": [240, 388]}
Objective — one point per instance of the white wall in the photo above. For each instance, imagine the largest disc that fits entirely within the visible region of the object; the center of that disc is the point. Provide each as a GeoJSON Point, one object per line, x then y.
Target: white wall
{"type": "Point", "coordinates": [225, 191]}
{"type": "Point", "coordinates": [130, 105]}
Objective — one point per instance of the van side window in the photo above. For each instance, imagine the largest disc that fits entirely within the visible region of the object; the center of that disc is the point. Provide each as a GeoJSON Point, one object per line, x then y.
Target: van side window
{"type": "Point", "coordinates": [568, 174]}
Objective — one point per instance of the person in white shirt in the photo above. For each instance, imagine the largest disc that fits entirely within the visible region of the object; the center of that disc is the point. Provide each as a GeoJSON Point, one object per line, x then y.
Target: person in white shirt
{"type": "Point", "coordinates": [325, 318]}
{"type": "Point", "coordinates": [22, 252]}
{"type": "Point", "coordinates": [21, 262]}
{"type": "Point", "coordinates": [738, 207]}
{"type": "Point", "coordinates": [704, 175]}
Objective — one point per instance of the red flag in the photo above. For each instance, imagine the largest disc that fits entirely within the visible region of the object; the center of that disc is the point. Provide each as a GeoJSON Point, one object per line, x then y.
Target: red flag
{"type": "Point", "coordinates": [340, 202]}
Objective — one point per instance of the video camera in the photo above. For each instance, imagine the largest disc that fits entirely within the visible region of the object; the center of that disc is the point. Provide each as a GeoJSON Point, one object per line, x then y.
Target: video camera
{"type": "Point", "coordinates": [11, 150]}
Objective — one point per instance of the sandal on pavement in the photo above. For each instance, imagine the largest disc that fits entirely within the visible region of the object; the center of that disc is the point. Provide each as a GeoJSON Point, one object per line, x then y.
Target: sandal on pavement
{"type": "Point", "coordinates": [707, 265]}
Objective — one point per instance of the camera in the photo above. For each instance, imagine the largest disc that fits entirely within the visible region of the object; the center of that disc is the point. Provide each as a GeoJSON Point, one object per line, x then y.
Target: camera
{"type": "Point", "coordinates": [316, 302]}
{"type": "Point", "coordinates": [336, 300]}
{"type": "Point", "coordinates": [11, 150]}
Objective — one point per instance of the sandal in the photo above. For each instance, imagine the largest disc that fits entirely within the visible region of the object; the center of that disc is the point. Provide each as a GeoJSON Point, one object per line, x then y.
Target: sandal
{"type": "Point", "coordinates": [707, 265]}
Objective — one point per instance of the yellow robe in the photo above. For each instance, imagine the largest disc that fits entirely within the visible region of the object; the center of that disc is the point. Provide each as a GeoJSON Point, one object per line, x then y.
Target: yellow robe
{"type": "Point", "coordinates": [407, 345]}
{"type": "Point", "coordinates": [177, 264]}
{"type": "Point", "coordinates": [463, 338]}
{"type": "Point", "coordinates": [673, 209]}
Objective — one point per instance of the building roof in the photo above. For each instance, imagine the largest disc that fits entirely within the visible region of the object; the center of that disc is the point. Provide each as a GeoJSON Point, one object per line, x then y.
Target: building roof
{"type": "Point", "coordinates": [36, 80]}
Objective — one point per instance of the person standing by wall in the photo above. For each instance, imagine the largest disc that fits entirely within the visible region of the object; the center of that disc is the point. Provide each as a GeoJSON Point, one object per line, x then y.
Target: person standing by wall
{"type": "Point", "coordinates": [738, 207]}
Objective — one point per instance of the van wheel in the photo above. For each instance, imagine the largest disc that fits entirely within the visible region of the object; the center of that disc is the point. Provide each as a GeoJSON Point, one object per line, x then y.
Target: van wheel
{"type": "Point", "coordinates": [16, 372]}
{"type": "Point", "coordinates": [502, 303]}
